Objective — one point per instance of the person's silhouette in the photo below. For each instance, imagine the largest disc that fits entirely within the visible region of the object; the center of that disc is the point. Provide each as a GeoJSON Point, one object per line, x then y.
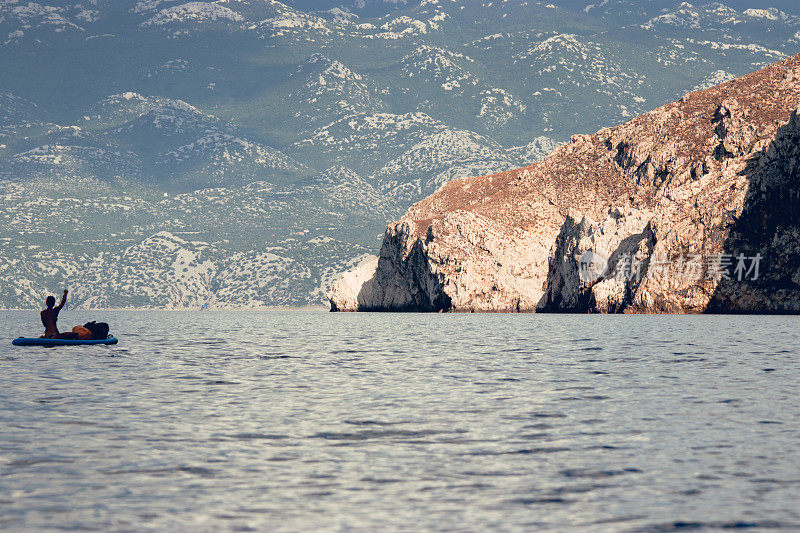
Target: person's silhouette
{"type": "Point", "coordinates": [50, 318]}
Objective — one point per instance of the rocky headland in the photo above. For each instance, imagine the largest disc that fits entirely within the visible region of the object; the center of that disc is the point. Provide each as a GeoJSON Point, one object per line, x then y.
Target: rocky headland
{"type": "Point", "coordinates": [689, 208]}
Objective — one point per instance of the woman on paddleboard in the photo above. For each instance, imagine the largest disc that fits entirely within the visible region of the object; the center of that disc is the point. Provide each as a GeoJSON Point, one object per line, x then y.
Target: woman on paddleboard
{"type": "Point", "coordinates": [50, 318]}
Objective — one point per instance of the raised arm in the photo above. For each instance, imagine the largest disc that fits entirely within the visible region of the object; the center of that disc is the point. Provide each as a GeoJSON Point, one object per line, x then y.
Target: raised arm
{"type": "Point", "coordinates": [63, 300]}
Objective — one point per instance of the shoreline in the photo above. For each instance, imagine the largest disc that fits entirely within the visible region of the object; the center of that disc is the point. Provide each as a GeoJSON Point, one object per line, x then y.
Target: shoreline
{"type": "Point", "coordinates": [184, 309]}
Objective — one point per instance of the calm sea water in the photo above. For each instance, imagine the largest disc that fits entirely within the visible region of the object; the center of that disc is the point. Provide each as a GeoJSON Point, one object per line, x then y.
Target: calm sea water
{"type": "Point", "coordinates": [308, 420]}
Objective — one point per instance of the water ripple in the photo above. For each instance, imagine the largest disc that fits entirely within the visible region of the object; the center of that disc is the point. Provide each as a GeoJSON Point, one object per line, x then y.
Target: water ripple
{"type": "Point", "coordinates": [412, 422]}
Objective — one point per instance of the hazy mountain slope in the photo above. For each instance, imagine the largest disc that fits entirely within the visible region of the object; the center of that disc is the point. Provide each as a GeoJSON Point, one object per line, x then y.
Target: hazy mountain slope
{"type": "Point", "coordinates": [130, 248]}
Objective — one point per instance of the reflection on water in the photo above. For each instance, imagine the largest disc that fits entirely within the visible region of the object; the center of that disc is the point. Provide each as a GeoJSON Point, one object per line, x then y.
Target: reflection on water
{"type": "Point", "coordinates": [300, 420]}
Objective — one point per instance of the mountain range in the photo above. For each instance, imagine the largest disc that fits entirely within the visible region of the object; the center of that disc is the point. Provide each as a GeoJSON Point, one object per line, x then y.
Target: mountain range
{"type": "Point", "coordinates": [240, 153]}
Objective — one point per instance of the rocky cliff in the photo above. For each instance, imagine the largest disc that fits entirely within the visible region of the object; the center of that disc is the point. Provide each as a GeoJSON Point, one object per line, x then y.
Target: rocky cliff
{"type": "Point", "coordinates": [689, 208]}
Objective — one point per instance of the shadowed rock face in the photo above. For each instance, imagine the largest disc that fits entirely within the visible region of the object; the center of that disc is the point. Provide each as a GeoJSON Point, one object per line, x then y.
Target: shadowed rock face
{"type": "Point", "coordinates": [675, 203]}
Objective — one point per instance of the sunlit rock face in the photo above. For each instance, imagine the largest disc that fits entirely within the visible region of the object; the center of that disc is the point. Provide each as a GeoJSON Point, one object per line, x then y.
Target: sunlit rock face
{"type": "Point", "coordinates": [689, 208]}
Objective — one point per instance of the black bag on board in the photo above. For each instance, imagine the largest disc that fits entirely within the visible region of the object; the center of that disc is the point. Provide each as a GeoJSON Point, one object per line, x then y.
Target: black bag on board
{"type": "Point", "coordinates": [99, 329]}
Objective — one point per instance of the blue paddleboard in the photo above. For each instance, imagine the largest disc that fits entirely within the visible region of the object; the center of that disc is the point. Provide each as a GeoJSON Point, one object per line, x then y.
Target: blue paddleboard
{"type": "Point", "coordinates": [26, 341]}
